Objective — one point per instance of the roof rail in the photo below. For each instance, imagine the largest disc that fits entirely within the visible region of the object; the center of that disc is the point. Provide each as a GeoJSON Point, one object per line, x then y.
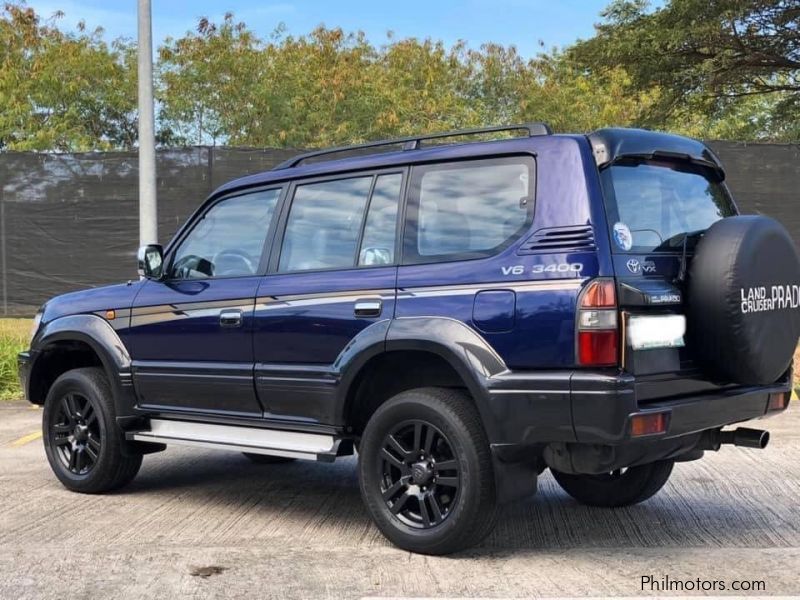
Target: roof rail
{"type": "Point", "coordinates": [413, 142]}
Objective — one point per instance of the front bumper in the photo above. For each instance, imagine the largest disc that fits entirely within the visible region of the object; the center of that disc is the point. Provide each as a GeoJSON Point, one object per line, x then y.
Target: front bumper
{"type": "Point", "coordinates": [24, 363]}
{"type": "Point", "coordinates": [581, 420]}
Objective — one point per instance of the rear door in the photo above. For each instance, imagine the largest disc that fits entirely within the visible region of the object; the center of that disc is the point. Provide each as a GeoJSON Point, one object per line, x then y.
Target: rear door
{"type": "Point", "coordinates": [657, 212]}
{"type": "Point", "coordinates": [191, 334]}
{"type": "Point", "coordinates": [333, 273]}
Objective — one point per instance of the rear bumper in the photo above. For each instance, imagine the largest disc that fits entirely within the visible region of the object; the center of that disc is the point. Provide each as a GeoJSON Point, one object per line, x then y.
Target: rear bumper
{"type": "Point", "coordinates": [582, 419]}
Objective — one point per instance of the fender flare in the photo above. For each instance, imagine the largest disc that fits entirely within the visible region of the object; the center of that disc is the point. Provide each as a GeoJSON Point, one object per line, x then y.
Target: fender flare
{"type": "Point", "coordinates": [462, 347]}
{"type": "Point", "coordinates": [103, 340]}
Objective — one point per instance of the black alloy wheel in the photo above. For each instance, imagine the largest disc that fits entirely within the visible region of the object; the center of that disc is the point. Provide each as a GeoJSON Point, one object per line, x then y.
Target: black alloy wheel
{"type": "Point", "coordinates": [75, 433]}
{"type": "Point", "coordinates": [426, 473]}
{"type": "Point", "coordinates": [84, 444]}
{"type": "Point", "coordinates": [420, 477]}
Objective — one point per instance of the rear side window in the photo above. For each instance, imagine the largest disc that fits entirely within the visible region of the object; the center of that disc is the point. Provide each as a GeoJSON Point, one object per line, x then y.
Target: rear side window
{"type": "Point", "coordinates": [651, 205]}
{"type": "Point", "coordinates": [380, 229]}
{"type": "Point", "coordinates": [324, 224]}
{"type": "Point", "coordinates": [468, 209]}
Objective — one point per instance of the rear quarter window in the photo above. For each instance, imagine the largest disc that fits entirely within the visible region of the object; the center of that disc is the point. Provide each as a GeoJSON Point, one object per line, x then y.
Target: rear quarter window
{"type": "Point", "coordinates": [468, 209]}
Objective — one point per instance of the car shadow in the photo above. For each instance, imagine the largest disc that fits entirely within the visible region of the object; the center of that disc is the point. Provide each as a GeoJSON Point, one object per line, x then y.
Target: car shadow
{"type": "Point", "coordinates": [695, 509]}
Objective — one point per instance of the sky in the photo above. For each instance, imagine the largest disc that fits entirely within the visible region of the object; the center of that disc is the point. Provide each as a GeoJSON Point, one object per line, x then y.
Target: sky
{"type": "Point", "coordinates": [523, 23]}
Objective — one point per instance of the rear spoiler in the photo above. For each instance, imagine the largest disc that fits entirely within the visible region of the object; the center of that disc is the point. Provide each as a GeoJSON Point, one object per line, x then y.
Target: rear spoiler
{"type": "Point", "coordinates": [614, 144]}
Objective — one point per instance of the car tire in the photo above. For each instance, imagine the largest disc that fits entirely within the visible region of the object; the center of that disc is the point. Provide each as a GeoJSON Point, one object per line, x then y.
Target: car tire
{"type": "Point", "coordinates": [425, 472]}
{"type": "Point", "coordinates": [620, 488]}
{"type": "Point", "coordinates": [265, 459]}
{"type": "Point", "coordinates": [83, 443]}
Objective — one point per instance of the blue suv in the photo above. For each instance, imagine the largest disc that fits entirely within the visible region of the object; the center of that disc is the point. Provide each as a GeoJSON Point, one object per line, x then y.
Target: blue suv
{"type": "Point", "coordinates": [463, 315]}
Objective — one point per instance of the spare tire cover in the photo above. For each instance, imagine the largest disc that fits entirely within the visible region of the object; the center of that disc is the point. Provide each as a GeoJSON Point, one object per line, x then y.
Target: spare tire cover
{"type": "Point", "coordinates": [743, 300]}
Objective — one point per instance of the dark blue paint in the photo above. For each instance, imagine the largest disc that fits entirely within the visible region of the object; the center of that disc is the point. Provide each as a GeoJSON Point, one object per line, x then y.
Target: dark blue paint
{"type": "Point", "coordinates": [96, 299]}
{"type": "Point", "coordinates": [182, 330]}
{"type": "Point", "coordinates": [314, 331]}
{"type": "Point", "coordinates": [493, 311]}
{"type": "Point", "coordinates": [292, 329]}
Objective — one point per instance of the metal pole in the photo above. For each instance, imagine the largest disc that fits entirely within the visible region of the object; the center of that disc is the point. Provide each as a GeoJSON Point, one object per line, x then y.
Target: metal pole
{"type": "Point", "coordinates": [148, 219]}
{"type": "Point", "coordinates": [3, 261]}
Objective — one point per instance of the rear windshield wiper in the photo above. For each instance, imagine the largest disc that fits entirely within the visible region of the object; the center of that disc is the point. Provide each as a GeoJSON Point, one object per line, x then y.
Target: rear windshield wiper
{"type": "Point", "coordinates": [679, 240]}
{"type": "Point", "coordinates": [685, 237]}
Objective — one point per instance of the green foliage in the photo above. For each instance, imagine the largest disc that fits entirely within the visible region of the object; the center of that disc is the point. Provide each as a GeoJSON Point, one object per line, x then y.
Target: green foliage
{"type": "Point", "coordinates": [331, 88]}
{"type": "Point", "coordinates": [14, 335]}
{"type": "Point", "coordinates": [721, 67]}
{"type": "Point", "coordinates": [60, 91]}
{"type": "Point", "coordinates": [707, 68]}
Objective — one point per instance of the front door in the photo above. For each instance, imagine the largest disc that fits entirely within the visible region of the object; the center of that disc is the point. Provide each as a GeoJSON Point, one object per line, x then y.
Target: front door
{"type": "Point", "coordinates": [332, 276]}
{"type": "Point", "coordinates": [191, 334]}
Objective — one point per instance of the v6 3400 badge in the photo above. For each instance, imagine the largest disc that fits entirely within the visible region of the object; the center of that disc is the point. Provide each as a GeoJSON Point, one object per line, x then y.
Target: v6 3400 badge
{"type": "Point", "coordinates": [552, 268]}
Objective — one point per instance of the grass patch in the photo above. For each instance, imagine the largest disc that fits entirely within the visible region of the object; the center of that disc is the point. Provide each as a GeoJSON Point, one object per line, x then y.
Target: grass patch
{"type": "Point", "coordinates": [797, 369]}
{"type": "Point", "coordinates": [14, 334]}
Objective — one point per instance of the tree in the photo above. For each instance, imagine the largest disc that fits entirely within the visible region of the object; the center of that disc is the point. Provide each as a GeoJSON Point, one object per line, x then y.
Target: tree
{"type": "Point", "coordinates": [60, 91]}
{"type": "Point", "coordinates": [729, 61]}
{"type": "Point", "coordinates": [205, 82]}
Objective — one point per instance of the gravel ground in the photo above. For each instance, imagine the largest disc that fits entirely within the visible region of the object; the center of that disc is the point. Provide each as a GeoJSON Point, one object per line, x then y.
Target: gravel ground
{"type": "Point", "coordinates": [212, 525]}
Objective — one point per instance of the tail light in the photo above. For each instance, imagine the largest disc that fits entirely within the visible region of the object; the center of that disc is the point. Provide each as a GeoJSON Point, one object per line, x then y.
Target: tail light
{"type": "Point", "coordinates": [598, 325]}
{"type": "Point", "coordinates": [779, 401]}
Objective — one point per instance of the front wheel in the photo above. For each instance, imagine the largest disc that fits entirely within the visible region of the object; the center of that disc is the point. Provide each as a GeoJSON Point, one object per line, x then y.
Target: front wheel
{"type": "Point", "coordinates": [81, 438]}
{"type": "Point", "coordinates": [623, 487]}
{"type": "Point", "coordinates": [426, 473]}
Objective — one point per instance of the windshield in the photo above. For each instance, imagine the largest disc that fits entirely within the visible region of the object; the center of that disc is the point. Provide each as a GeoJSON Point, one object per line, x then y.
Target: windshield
{"type": "Point", "coordinates": [653, 205]}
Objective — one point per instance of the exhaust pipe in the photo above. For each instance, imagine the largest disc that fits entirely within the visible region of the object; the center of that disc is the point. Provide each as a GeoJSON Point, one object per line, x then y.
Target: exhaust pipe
{"type": "Point", "coordinates": [749, 438]}
{"type": "Point", "coordinates": [742, 436]}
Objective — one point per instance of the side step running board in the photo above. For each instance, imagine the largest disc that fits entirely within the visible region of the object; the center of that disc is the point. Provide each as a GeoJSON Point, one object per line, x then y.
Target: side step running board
{"type": "Point", "coordinates": [274, 442]}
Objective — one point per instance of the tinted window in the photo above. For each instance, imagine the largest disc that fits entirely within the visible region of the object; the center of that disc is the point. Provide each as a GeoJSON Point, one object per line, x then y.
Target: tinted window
{"type": "Point", "coordinates": [468, 209]}
{"type": "Point", "coordinates": [324, 224]}
{"type": "Point", "coordinates": [652, 204]}
{"type": "Point", "coordinates": [377, 247]}
{"type": "Point", "coordinates": [228, 240]}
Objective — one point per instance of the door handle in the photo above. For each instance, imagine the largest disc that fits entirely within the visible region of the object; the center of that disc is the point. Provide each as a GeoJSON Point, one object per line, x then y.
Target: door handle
{"type": "Point", "coordinates": [368, 307]}
{"type": "Point", "coordinates": [230, 318]}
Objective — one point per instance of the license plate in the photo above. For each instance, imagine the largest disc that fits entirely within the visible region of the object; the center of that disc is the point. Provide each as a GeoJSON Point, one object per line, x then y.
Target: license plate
{"type": "Point", "coordinates": [656, 331]}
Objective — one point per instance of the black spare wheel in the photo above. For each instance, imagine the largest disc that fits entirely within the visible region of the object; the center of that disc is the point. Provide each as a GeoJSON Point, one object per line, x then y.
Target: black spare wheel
{"type": "Point", "coordinates": [743, 314]}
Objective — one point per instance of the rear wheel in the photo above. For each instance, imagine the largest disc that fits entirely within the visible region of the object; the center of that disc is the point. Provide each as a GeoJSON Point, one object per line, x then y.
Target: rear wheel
{"type": "Point", "coordinates": [81, 438]}
{"type": "Point", "coordinates": [426, 473]}
{"type": "Point", "coordinates": [265, 459]}
{"type": "Point", "coordinates": [618, 488]}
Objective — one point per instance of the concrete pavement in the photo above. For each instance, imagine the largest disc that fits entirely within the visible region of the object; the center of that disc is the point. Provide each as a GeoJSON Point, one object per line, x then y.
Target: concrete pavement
{"type": "Point", "coordinates": [206, 524]}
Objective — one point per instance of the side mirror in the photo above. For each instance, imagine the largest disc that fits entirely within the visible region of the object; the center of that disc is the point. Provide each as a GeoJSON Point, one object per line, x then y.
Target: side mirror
{"type": "Point", "coordinates": [151, 261]}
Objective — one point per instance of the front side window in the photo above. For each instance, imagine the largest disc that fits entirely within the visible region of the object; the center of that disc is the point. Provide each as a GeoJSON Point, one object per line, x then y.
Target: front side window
{"type": "Point", "coordinates": [228, 240]}
{"type": "Point", "coordinates": [468, 209]}
{"type": "Point", "coordinates": [652, 205]}
{"type": "Point", "coordinates": [324, 225]}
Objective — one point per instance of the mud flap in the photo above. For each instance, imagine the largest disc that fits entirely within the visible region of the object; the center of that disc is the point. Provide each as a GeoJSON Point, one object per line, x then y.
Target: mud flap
{"type": "Point", "coordinates": [514, 480]}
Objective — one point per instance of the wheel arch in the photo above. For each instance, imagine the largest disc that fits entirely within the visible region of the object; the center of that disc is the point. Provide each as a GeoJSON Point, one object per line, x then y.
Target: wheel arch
{"type": "Point", "coordinates": [456, 357]}
{"type": "Point", "coordinates": [79, 341]}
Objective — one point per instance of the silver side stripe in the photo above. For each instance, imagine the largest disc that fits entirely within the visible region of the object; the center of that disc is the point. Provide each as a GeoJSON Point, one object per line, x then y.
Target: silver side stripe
{"type": "Point", "coordinates": [268, 302]}
{"type": "Point", "coordinates": [273, 302]}
{"type": "Point", "coordinates": [170, 312]}
{"type": "Point", "coordinates": [520, 287]}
